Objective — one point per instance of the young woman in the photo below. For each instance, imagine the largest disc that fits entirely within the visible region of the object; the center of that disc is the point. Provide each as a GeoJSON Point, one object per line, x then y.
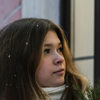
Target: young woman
{"type": "Point", "coordinates": [36, 63]}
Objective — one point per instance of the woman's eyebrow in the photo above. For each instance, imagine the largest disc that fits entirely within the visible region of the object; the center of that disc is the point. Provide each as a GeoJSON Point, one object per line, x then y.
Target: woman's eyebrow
{"type": "Point", "coordinates": [50, 45]}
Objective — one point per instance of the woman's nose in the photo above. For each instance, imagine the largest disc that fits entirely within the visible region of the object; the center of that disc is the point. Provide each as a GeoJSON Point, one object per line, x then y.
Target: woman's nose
{"type": "Point", "coordinates": [58, 59]}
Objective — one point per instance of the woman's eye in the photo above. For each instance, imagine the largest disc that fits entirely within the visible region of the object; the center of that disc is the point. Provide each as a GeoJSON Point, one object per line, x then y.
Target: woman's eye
{"type": "Point", "coordinates": [60, 49]}
{"type": "Point", "coordinates": [47, 51]}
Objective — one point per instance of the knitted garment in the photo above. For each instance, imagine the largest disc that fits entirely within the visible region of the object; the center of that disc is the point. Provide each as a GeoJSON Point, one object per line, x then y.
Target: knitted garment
{"type": "Point", "coordinates": [55, 92]}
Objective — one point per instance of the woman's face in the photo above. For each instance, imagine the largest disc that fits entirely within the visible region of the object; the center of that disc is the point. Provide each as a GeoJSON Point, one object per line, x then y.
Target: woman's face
{"type": "Point", "coordinates": [52, 69]}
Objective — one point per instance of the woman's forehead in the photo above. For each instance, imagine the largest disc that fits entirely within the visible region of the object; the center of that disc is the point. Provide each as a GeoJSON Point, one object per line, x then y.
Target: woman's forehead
{"type": "Point", "coordinates": [51, 37]}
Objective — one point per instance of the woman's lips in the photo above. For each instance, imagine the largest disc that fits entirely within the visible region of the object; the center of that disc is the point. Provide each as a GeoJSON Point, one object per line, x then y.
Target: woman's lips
{"type": "Point", "coordinates": [60, 71]}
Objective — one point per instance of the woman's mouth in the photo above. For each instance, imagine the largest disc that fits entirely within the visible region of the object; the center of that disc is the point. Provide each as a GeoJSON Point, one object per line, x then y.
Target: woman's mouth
{"type": "Point", "coordinates": [60, 71]}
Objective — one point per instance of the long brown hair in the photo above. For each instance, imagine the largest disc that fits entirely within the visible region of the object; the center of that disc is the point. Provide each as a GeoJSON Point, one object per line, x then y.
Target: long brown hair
{"type": "Point", "coordinates": [21, 47]}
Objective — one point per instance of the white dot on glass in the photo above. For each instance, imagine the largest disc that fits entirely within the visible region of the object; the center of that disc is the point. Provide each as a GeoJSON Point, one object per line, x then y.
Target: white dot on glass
{"type": "Point", "coordinates": [37, 25]}
{"type": "Point", "coordinates": [26, 43]}
{"type": "Point", "coordinates": [6, 84]}
{"type": "Point", "coordinates": [8, 56]}
{"type": "Point", "coordinates": [15, 75]}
